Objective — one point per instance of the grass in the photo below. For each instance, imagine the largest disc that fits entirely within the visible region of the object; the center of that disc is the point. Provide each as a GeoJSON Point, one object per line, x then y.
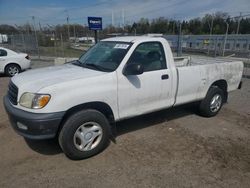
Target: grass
{"type": "Point", "coordinates": [58, 51]}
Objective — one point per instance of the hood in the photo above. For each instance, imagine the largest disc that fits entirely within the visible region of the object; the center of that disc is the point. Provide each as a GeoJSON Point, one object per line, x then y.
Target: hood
{"type": "Point", "coordinates": [34, 80]}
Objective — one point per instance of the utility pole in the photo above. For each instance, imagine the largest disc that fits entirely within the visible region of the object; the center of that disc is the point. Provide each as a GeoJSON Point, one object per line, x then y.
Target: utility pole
{"type": "Point", "coordinates": [21, 32]}
{"type": "Point", "coordinates": [96, 37]}
{"type": "Point", "coordinates": [173, 27]}
{"type": "Point", "coordinates": [53, 34]}
{"type": "Point", "coordinates": [75, 32]}
{"type": "Point", "coordinates": [123, 19]}
{"type": "Point", "coordinates": [223, 52]}
{"type": "Point", "coordinates": [237, 31]}
{"type": "Point", "coordinates": [62, 48]}
{"type": "Point", "coordinates": [68, 26]}
{"type": "Point", "coordinates": [37, 46]}
{"type": "Point", "coordinates": [113, 19]}
{"type": "Point", "coordinates": [12, 40]}
{"type": "Point", "coordinates": [55, 41]}
{"type": "Point", "coordinates": [179, 45]}
{"type": "Point", "coordinates": [215, 46]}
{"type": "Point", "coordinates": [210, 34]}
{"type": "Point", "coordinates": [238, 26]}
{"type": "Point", "coordinates": [40, 27]}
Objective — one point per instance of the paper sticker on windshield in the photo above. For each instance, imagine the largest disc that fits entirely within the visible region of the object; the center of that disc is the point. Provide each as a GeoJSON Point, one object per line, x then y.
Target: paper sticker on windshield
{"type": "Point", "coordinates": [122, 46]}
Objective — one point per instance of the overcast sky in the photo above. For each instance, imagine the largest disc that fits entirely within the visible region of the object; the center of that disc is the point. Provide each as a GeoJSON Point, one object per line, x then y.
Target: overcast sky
{"type": "Point", "coordinates": [55, 12]}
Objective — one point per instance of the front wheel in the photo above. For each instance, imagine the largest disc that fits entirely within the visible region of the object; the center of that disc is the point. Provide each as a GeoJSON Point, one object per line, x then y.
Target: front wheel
{"type": "Point", "coordinates": [84, 134]}
{"type": "Point", "coordinates": [212, 103]}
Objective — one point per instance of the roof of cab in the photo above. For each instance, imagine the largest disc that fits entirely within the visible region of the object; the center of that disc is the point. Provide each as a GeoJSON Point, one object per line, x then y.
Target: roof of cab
{"type": "Point", "coordinates": [131, 38]}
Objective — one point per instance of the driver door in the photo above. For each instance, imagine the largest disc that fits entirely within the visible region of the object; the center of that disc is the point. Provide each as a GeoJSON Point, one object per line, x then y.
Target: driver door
{"type": "Point", "coordinates": [139, 94]}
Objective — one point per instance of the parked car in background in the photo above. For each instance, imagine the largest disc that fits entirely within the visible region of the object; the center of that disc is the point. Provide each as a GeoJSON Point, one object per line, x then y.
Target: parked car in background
{"type": "Point", "coordinates": [11, 63]}
{"type": "Point", "coordinates": [3, 38]}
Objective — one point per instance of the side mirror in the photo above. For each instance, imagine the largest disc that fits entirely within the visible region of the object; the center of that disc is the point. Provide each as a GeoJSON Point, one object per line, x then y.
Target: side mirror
{"type": "Point", "coordinates": [133, 69]}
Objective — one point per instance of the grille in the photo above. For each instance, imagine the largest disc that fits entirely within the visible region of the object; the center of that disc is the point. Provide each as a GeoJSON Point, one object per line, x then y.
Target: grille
{"type": "Point", "coordinates": [12, 93]}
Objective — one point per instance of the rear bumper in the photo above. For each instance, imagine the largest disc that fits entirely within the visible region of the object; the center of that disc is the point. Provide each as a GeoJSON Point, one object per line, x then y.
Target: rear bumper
{"type": "Point", "coordinates": [26, 65]}
{"type": "Point", "coordinates": [33, 125]}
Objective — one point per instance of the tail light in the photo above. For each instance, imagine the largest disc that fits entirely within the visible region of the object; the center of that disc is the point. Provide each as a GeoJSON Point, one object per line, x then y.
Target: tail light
{"type": "Point", "coordinates": [27, 57]}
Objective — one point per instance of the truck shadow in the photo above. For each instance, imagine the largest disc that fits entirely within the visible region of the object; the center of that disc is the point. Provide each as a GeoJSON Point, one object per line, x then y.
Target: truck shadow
{"type": "Point", "coordinates": [154, 118]}
{"type": "Point", "coordinates": [51, 147]}
{"type": "Point", "coordinates": [45, 147]}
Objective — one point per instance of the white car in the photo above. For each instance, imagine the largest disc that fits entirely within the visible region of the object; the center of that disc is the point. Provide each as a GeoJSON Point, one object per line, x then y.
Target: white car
{"type": "Point", "coordinates": [11, 63]}
{"type": "Point", "coordinates": [116, 79]}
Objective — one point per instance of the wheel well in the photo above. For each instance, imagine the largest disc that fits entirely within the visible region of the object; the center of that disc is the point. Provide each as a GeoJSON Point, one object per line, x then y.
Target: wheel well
{"type": "Point", "coordinates": [99, 106]}
{"type": "Point", "coordinates": [11, 64]}
{"type": "Point", "coordinates": [222, 84]}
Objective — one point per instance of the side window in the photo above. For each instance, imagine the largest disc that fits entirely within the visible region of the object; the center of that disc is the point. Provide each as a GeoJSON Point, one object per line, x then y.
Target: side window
{"type": "Point", "coordinates": [3, 52]}
{"type": "Point", "coordinates": [151, 55]}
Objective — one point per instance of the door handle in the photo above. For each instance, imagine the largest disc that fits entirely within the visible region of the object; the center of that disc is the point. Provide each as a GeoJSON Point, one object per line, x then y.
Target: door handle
{"type": "Point", "coordinates": [164, 77]}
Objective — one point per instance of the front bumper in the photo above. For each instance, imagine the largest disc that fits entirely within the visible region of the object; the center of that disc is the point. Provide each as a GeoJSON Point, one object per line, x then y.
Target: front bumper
{"type": "Point", "coordinates": [33, 125]}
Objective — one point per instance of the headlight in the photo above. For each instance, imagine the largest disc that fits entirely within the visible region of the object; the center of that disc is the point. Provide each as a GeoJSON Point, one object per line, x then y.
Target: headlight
{"type": "Point", "coordinates": [34, 100]}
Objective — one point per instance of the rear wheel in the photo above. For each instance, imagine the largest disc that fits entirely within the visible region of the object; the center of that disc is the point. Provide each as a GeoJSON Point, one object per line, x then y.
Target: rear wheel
{"type": "Point", "coordinates": [84, 134]}
{"type": "Point", "coordinates": [212, 103]}
{"type": "Point", "coordinates": [12, 70]}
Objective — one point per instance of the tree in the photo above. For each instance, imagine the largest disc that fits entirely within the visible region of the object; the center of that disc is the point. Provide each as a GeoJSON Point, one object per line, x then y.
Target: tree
{"type": "Point", "coordinates": [143, 26]}
{"type": "Point", "coordinates": [162, 25]}
{"type": "Point", "coordinates": [8, 29]}
{"type": "Point", "coordinates": [159, 25]}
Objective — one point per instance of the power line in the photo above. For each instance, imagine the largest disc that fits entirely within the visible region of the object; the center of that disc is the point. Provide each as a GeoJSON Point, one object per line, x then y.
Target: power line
{"type": "Point", "coordinates": [86, 7]}
{"type": "Point", "coordinates": [159, 8]}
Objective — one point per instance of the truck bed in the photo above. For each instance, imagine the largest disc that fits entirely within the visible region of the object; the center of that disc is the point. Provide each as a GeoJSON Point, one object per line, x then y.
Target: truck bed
{"type": "Point", "coordinates": [195, 76]}
{"type": "Point", "coordinates": [193, 61]}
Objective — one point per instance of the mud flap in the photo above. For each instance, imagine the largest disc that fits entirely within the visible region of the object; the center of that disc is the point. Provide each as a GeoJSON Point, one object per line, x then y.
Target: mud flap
{"type": "Point", "coordinates": [240, 85]}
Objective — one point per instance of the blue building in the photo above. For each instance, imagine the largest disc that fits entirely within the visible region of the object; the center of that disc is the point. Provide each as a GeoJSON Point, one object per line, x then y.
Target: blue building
{"type": "Point", "coordinates": [233, 43]}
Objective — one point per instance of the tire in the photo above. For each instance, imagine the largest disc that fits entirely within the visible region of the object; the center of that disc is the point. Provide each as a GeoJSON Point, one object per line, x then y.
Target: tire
{"type": "Point", "coordinates": [12, 70]}
{"type": "Point", "coordinates": [212, 103]}
{"type": "Point", "coordinates": [80, 130]}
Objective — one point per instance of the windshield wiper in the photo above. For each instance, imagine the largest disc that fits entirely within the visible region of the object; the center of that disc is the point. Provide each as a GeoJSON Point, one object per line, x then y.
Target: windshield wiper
{"type": "Point", "coordinates": [97, 67]}
{"type": "Point", "coordinates": [91, 65]}
{"type": "Point", "coordinates": [76, 62]}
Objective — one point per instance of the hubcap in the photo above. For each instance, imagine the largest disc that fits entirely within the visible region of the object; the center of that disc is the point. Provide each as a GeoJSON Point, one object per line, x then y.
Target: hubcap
{"type": "Point", "coordinates": [88, 136]}
{"type": "Point", "coordinates": [215, 103]}
{"type": "Point", "coordinates": [13, 70]}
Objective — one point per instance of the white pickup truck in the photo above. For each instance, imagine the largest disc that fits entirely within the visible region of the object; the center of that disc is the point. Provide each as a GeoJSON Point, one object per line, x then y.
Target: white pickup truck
{"type": "Point", "coordinates": [118, 78]}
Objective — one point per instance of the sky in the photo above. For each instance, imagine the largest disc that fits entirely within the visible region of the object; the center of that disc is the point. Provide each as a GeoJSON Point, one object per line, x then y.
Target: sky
{"type": "Point", "coordinates": [52, 12]}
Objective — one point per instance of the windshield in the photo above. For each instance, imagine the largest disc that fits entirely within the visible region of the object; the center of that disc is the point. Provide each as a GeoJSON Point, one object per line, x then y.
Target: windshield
{"type": "Point", "coordinates": [105, 56]}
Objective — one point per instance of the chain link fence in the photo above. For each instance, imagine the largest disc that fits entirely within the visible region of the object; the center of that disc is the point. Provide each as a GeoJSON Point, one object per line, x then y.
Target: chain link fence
{"type": "Point", "coordinates": [44, 45]}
